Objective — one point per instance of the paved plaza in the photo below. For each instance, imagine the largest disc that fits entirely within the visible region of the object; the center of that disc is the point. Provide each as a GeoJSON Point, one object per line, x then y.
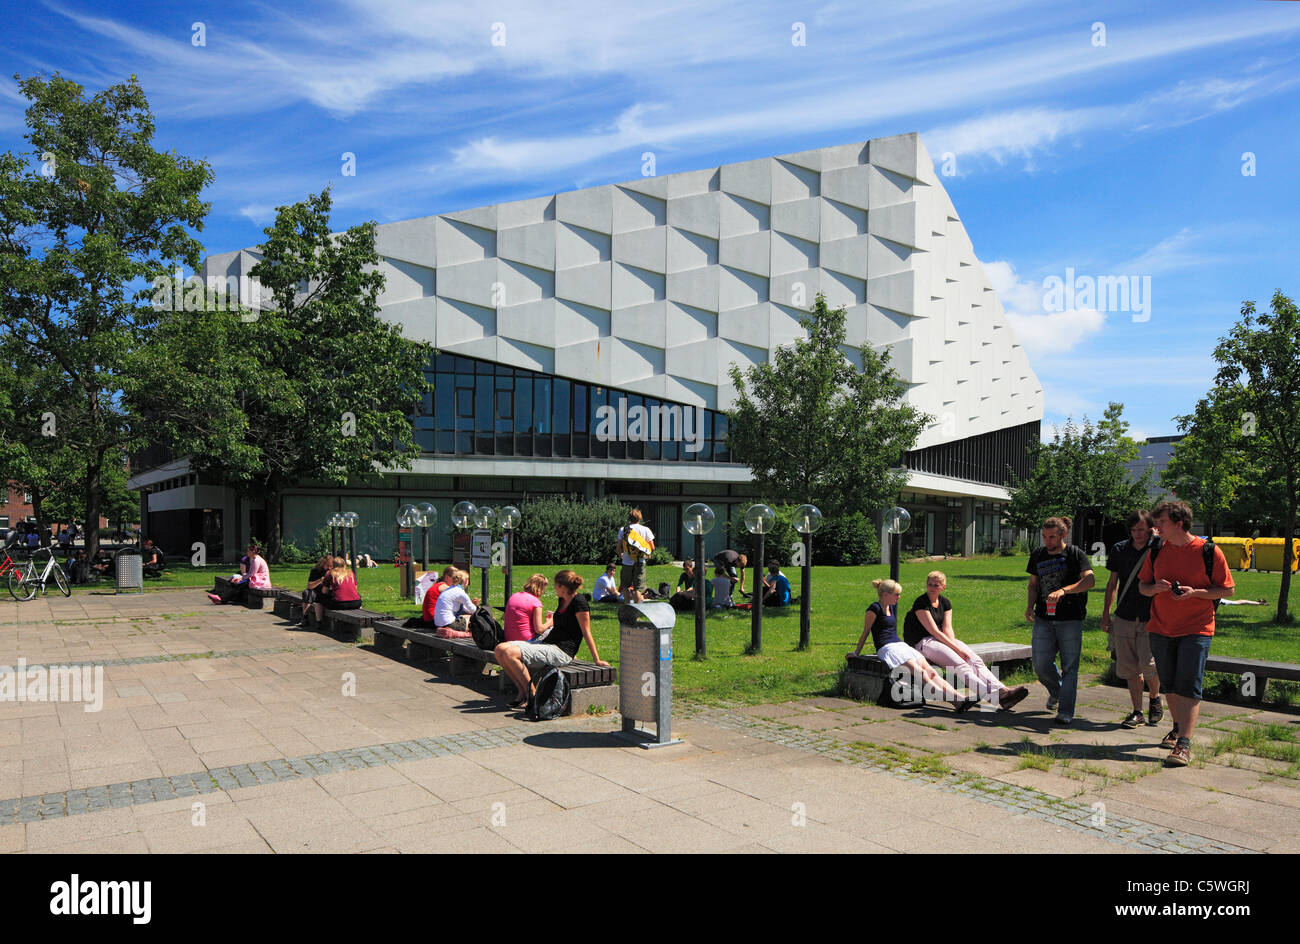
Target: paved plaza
{"type": "Point", "coordinates": [228, 730]}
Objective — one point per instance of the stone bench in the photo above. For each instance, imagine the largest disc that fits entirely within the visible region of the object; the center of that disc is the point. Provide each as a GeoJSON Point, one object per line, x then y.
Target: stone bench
{"type": "Point", "coordinates": [867, 678]}
{"type": "Point", "coordinates": [256, 595]}
{"type": "Point", "coordinates": [1261, 670]}
{"type": "Point", "coordinates": [590, 684]}
{"type": "Point", "coordinates": [352, 625]}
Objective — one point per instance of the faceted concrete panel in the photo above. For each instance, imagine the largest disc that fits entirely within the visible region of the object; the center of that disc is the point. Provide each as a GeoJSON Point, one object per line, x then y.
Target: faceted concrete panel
{"type": "Point", "coordinates": [751, 180]}
{"type": "Point", "coordinates": [846, 256]}
{"type": "Point", "coordinates": [792, 182]}
{"type": "Point", "coordinates": [473, 282]}
{"type": "Point", "coordinates": [843, 289]}
{"type": "Point", "coordinates": [591, 209]}
{"type": "Point", "coordinates": [575, 247]}
{"type": "Point", "coordinates": [418, 318]}
{"type": "Point", "coordinates": [631, 361]}
{"type": "Point", "coordinates": [459, 242]}
{"type": "Point", "coordinates": [885, 187]}
{"type": "Point", "coordinates": [650, 186]}
{"type": "Point", "coordinates": [645, 249]}
{"type": "Point", "coordinates": [576, 322]}
{"type": "Point", "coordinates": [404, 281]}
{"type": "Point", "coordinates": [697, 213]}
{"type": "Point", "coordinates": [479, 217]}
{"type": "Point", "coordinates": [589, 284]}
{"type": "Point", "coordinates": [901, 153]}
{"type": "Point", "coordinates": [743, 355]}
{"type": "Point", "coordinates": [792, 254]}
{"type": "Point", "coordinates": [739, 217]}
{"type": "Point", "coordinates": [691, 182]}
{"type": "Point", "coordinates": [643, 324]}
{"type": "Point", "coordinates": [688, 250]}
{"type": "Point", "coordinates": [521, 283]}
{"type": "Point", "coordinates": [532, 244]}
{"type": "Point", "coordinates": [532, 322]}
{"type": "Point", "coordinates": [884, 325]}
{"type": "Point", "coordinates": [521, 354]}
{"type": "Point", "coordinates": [847, 185]}
{"type": "Point", "coordinates": [409, 240]}
{"type": "Point", "coordinates": [633, 211]}
{"type": "Point", "coordinates": [634, 286]}
{"type": "Point", "coordinates": [697, 288]}
{"type": "Point", "coordinates": [589, 360]}
{"type": "Point", "coordinates": [687, 325]}
{"type": "Point", "coordinates": [801, 218]}
{"type": "Point", "coordinates": [750, 325]}
{"type": "Point", "coordinates": [796, 289]}
{"type": "Point", "coordinates": [785, 326]}
{"type": "Point", "coordinates": [885, 257]}
{"type": "Point", "coordinates": [698, 362]}
{"type": "Point", "coordinates": [751, 253]}
{"type": "Point", "coordinates": [738, 289]}
{"type": "Point", "coordinates": [691, 392]}
{"type": "Point", "coordinates": [896, 223]}
{"type": "Point", "coordinates": [525, 212]}
{"type": "Point", "coordinates": [840, 221]}
{"type": "Point", "coordinates": [459, 322]}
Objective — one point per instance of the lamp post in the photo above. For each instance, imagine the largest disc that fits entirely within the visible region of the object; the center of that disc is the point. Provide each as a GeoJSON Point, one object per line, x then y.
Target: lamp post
{"type": "Point", "coordinates": [350, 526]}
{"type": "Point", "coordinates": [484, 519]}
{"type": "Point", "coordinates": [408, 517]}
{"type": "Point", "coordinates": [807, 519]}
{"type": "Point", "coordinates": [699, 520]}
{"type": "Point", "coordinates": [897, 520]}
{"type": "Point", "coordinates": [335, 522]}
{"type": "Point", "coordinates": [758, 520]}
{"type": "Point", "coordinates": [428, 519]}
{"type": "Point", "coordinates": [508, 517]}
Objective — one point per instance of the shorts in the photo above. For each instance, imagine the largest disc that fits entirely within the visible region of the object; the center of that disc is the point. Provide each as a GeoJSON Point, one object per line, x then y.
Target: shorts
{"type": "Point", "coordinates": [1181, 663]}
{"type": "Point", "coordinates": [896, 653]}
{"type": "Point", "coordinates": [633, 575]}
{"type": "Point", "coordinates": [535, 655]}
{"type": "Point", "coordinates": [1132, 649]}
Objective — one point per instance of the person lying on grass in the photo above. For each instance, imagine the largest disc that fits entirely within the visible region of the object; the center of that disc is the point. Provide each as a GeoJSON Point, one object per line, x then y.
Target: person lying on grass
{"type": "Point", "coordinates": [881, 624]}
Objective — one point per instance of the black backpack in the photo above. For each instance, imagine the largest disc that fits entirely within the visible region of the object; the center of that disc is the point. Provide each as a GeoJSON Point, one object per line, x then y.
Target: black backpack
{"type": "Point", "coordinates": [1207, 554]}
{"type": "Point", "coordinates": [552, 698]}
{"type": "Point", "coordinates": [485, 629]}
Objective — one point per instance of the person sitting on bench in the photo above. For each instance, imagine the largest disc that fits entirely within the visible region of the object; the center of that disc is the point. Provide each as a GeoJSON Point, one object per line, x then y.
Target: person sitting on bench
{"type": "Point", "coordinates": [153, 559]}
{"type": "Point", "coordinates": [452, 611]}
{"type": "Point", "coordinates": [315, 584]}
{"type": "Point", "coordinates": [428, 608]}
{"type": "Point", "coordinates": [571, 625]}
{"type": "Point", "coordinates": [258, 577]}
{"type": "Point", "coordinates": [340, 588]}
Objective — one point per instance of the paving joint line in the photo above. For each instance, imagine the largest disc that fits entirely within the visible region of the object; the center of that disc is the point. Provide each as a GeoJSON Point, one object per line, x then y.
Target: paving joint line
{"type": "Point", "coordinates": [210, 655]}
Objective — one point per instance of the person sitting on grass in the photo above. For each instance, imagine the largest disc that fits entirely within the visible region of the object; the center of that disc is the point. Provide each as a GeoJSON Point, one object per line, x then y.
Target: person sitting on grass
{"type": "Point", "coordinates": [776, 587]}
{"type": "Point", "coordinates": [881, 624]}
{"type": "Point", "coordinates": [452, 611]}
{"type": "Point", "coordinates": [338, 589]}
{"type": "Point", "coordinates": [928, 630]}
{"type": "Point", "coordinates": [721, 590]}
{"type": "Point", "coordinates": [102, 565]}
{"type": "Point", "coordinates": [258, 577]}
{"type": "Point", "coordinates": [79, 568]}
{"type": "Point", "coordinates": [524, 618]}
{"type": "Point", "coordinates": [430, 603]}
{"type": "Point", "coordinates": [153, 559]}
{"type": "Point", "coordinates": [607, 587]}
{"type": "Point", "coordinates": [570, 627]}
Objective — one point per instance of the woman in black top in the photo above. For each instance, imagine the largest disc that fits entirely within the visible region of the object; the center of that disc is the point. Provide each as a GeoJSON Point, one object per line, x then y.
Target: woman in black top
{"type": "Point", "coordinates": [314, 592]}
{"type": "Point", "coordinates": [882, 622]}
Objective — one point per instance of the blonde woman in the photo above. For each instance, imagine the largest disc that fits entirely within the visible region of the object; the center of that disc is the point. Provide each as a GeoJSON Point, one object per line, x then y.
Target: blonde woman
{"type": "Point", "coordinates": [524, 614]}
{"type": "Point", "coordinates": [339, 588]}
{"type": "Point", "coordinates": [452, 611]}
{"type": "Point", "coordinates": [928, 630]}
{"type": "Point", "coordinates": [881, 624]}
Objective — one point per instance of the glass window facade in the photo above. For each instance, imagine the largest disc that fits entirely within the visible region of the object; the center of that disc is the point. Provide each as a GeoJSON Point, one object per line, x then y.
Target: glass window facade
{"type": "Point", "coordinates": [479, 408]}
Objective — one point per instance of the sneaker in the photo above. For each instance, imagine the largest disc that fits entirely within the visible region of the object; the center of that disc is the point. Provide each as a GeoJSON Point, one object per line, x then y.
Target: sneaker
{"type": "Point", "coordinates": [1010, 697]}
{"type": "Point", "coordinates": [1170, 740]}
{"type": "Point", "coordinates": [1052, 702]}
{"type": "Point", "coordinates": [1181, 755]}
{"type": "Point", "coordinates": [214, 598]}
{"type": "Point", "coordinates": [1134, 719]}
{"type": "Point", "coordinates": [1063, 721]}
{"type": "Point", "coordinates": [1155, 712]}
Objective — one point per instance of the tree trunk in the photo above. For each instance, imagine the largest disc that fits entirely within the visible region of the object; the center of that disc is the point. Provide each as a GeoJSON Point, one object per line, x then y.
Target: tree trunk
{"type": "Point", "coordinates": [93, 504]}
{"type": "Point", "coordinates": [1288, 530]}
{"type": "Point", "coordinates": [38, 512]}
{"type": "Point", "coordinates": [273, 550]}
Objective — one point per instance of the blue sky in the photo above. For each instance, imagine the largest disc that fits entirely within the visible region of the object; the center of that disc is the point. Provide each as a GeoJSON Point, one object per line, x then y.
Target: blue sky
{"type": "Point", "coordinates": [1106, 138]}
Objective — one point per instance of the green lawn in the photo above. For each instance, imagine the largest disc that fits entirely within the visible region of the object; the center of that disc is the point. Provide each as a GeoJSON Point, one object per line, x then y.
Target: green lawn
{"type": "Point", "coordinates": [988, 596]}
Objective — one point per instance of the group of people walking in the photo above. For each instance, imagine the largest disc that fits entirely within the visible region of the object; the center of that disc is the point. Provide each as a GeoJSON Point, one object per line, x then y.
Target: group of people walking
{"type": "Point", "coordinates": [1164, 586]}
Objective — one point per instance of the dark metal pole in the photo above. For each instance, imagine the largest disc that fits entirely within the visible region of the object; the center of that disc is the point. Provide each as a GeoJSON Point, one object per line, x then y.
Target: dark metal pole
{"type": "Point", "coordinates": [485, 586]}
{"type": "Point", "coordinates": [510, 563]}
{"type": "Point", "coordinates": [895, 546]}
{"type": "Point", "coordinates": [805, 590]}
{"type": "Point", "coordinates": [352, 543]}
{"type": "Point", "coordinates": [334, 551]}
{"type": "Point", "coordinates": [756, 603]}
{"type": "Point", "coordinates": [700, 646]}
{"type": "Point", "coordinates": [424, 536]}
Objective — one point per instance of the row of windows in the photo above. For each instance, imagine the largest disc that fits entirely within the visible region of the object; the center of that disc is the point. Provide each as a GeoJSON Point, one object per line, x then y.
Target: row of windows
{"type": "Point", "coordinates": [983, 458]}
{"type": "Point", "coordinates": [484, 409]}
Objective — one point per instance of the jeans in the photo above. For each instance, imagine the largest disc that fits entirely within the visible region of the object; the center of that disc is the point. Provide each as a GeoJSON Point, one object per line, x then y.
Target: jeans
{"type": "Point", "coordinates": [1065, 637]}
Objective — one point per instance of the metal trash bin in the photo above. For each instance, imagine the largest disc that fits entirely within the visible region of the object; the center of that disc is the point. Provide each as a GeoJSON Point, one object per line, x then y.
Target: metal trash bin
{"type": "Point", "coordinates": [1236, 551]}
{"type": "Point", "coordinates": [645, 672]}
{"type": "Point", "coordinates": [128, 565]}
{"type": "Point", "coordinates": [1268, 554]}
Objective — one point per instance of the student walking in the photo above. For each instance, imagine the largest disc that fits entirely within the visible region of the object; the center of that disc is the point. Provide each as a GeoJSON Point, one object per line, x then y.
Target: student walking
{"type": "Point", "coordinates": [1128, 628]}
{"type": "Point", "coordinates": [1060, 577]}
{"type": "Point", "coordinates": [636, 543]}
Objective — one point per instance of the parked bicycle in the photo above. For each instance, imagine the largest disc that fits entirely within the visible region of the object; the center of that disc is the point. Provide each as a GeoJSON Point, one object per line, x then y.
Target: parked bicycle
{"type": "Point", "coordinates": [27, 578]}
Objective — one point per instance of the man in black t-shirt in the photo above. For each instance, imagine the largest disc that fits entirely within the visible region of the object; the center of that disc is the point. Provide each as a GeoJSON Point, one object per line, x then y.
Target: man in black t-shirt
{"type": "Point", "coordinates": [1060, 576]}
{"type": "Point", "coordinates": [1128, 628]}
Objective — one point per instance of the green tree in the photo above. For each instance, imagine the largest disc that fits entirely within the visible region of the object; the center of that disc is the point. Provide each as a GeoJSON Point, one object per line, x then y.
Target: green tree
{"type": "Point", "coordinates": [313, 386]}
{"type": "Point", "coordinates": [1211, 466]}
{"type": "Point", "coordinates": [1261, 357]}
{"type": "Point", "coordinates": [1081, 470]}
{"type": "Point", "coordinates": [91, 214]}
{"type": "Point", "coordinates": [814, 427]}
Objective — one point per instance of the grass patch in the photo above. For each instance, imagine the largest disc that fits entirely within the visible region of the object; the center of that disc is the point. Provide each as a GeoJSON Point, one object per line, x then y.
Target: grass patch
{"type": "Point", "coordinates": [1269, 741]}
{"type": "Point", "coordinates": [1035, 756]}
{"type": "Point", "coordinates": [931, 765]}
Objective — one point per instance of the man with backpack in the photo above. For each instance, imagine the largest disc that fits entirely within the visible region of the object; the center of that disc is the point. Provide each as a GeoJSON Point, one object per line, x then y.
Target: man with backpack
{"type": "Point", "coordinates": [1185, 577]}
{"type": "Point", "coordinates": [1128, 629]}
{"type": "Point", "coordinates": [636, 543]}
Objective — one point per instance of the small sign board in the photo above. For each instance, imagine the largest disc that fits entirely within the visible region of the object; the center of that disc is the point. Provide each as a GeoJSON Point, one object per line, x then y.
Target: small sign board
{"type": "Point", "coordinates": [481, 551]}
{"type": "Point", "coordinates": [460, 548]}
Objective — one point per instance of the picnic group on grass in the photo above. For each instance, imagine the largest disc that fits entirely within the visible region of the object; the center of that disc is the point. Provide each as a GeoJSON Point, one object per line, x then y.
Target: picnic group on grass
{"type": "Point", "coordinates": [1164, 586]}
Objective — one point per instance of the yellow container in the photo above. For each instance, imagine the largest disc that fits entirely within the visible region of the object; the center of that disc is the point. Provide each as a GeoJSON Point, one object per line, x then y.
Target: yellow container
{"type": "Point", "coordinates": [1237, 551]}
{"type": "Point", "coordinates": [1268, 554]}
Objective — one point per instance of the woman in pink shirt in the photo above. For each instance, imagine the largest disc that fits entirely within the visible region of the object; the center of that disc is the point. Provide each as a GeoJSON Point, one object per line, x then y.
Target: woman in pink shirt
{"type": "Point", "coordinates": [258, 575]}
{"type": "Point", "coordinates": [524, 616]}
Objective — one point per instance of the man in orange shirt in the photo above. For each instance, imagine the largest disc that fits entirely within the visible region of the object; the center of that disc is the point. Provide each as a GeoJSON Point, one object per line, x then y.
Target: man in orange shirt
{"type": "Point", "coordinates": [1183, 583]}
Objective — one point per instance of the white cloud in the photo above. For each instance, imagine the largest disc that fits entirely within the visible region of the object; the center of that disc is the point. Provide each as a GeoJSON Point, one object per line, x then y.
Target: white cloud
{"type": "Point", "coordinates": [1041, 332]}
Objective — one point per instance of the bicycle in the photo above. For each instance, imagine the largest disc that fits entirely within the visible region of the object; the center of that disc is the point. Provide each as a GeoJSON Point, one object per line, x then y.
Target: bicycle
{"type": "Point", "coordinates": [25, 581]}
{"type": "Point", "coordinates": [8, 565]}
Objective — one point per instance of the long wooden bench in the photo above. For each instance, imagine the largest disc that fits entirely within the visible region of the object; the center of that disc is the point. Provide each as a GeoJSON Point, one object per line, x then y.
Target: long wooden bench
{"type": "Point", "coordinates": [591, 684]}
{"type": "Point", "coordinates": [1258, 670]}
{"type": "Point", "coordinates": [256, 595]}
{"type": "Point", "coordinates": [353, 625]}
{"type": "Point", "coordinates": [867, 678]}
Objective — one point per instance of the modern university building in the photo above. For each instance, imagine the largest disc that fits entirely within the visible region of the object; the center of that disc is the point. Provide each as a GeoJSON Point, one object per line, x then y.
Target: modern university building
{"type": "Point", "coordinates": [560, 320]}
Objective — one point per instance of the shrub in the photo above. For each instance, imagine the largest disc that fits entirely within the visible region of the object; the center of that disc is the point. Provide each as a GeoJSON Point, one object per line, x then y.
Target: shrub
{"type": "Point", "coordinates": [292, 554]}
{"type": "Point", "coordinates": [840, 541]}
{"type": "Point", "coordinates": [660, 555]}
{"type": "Point", "coordinates": [568, 531]}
